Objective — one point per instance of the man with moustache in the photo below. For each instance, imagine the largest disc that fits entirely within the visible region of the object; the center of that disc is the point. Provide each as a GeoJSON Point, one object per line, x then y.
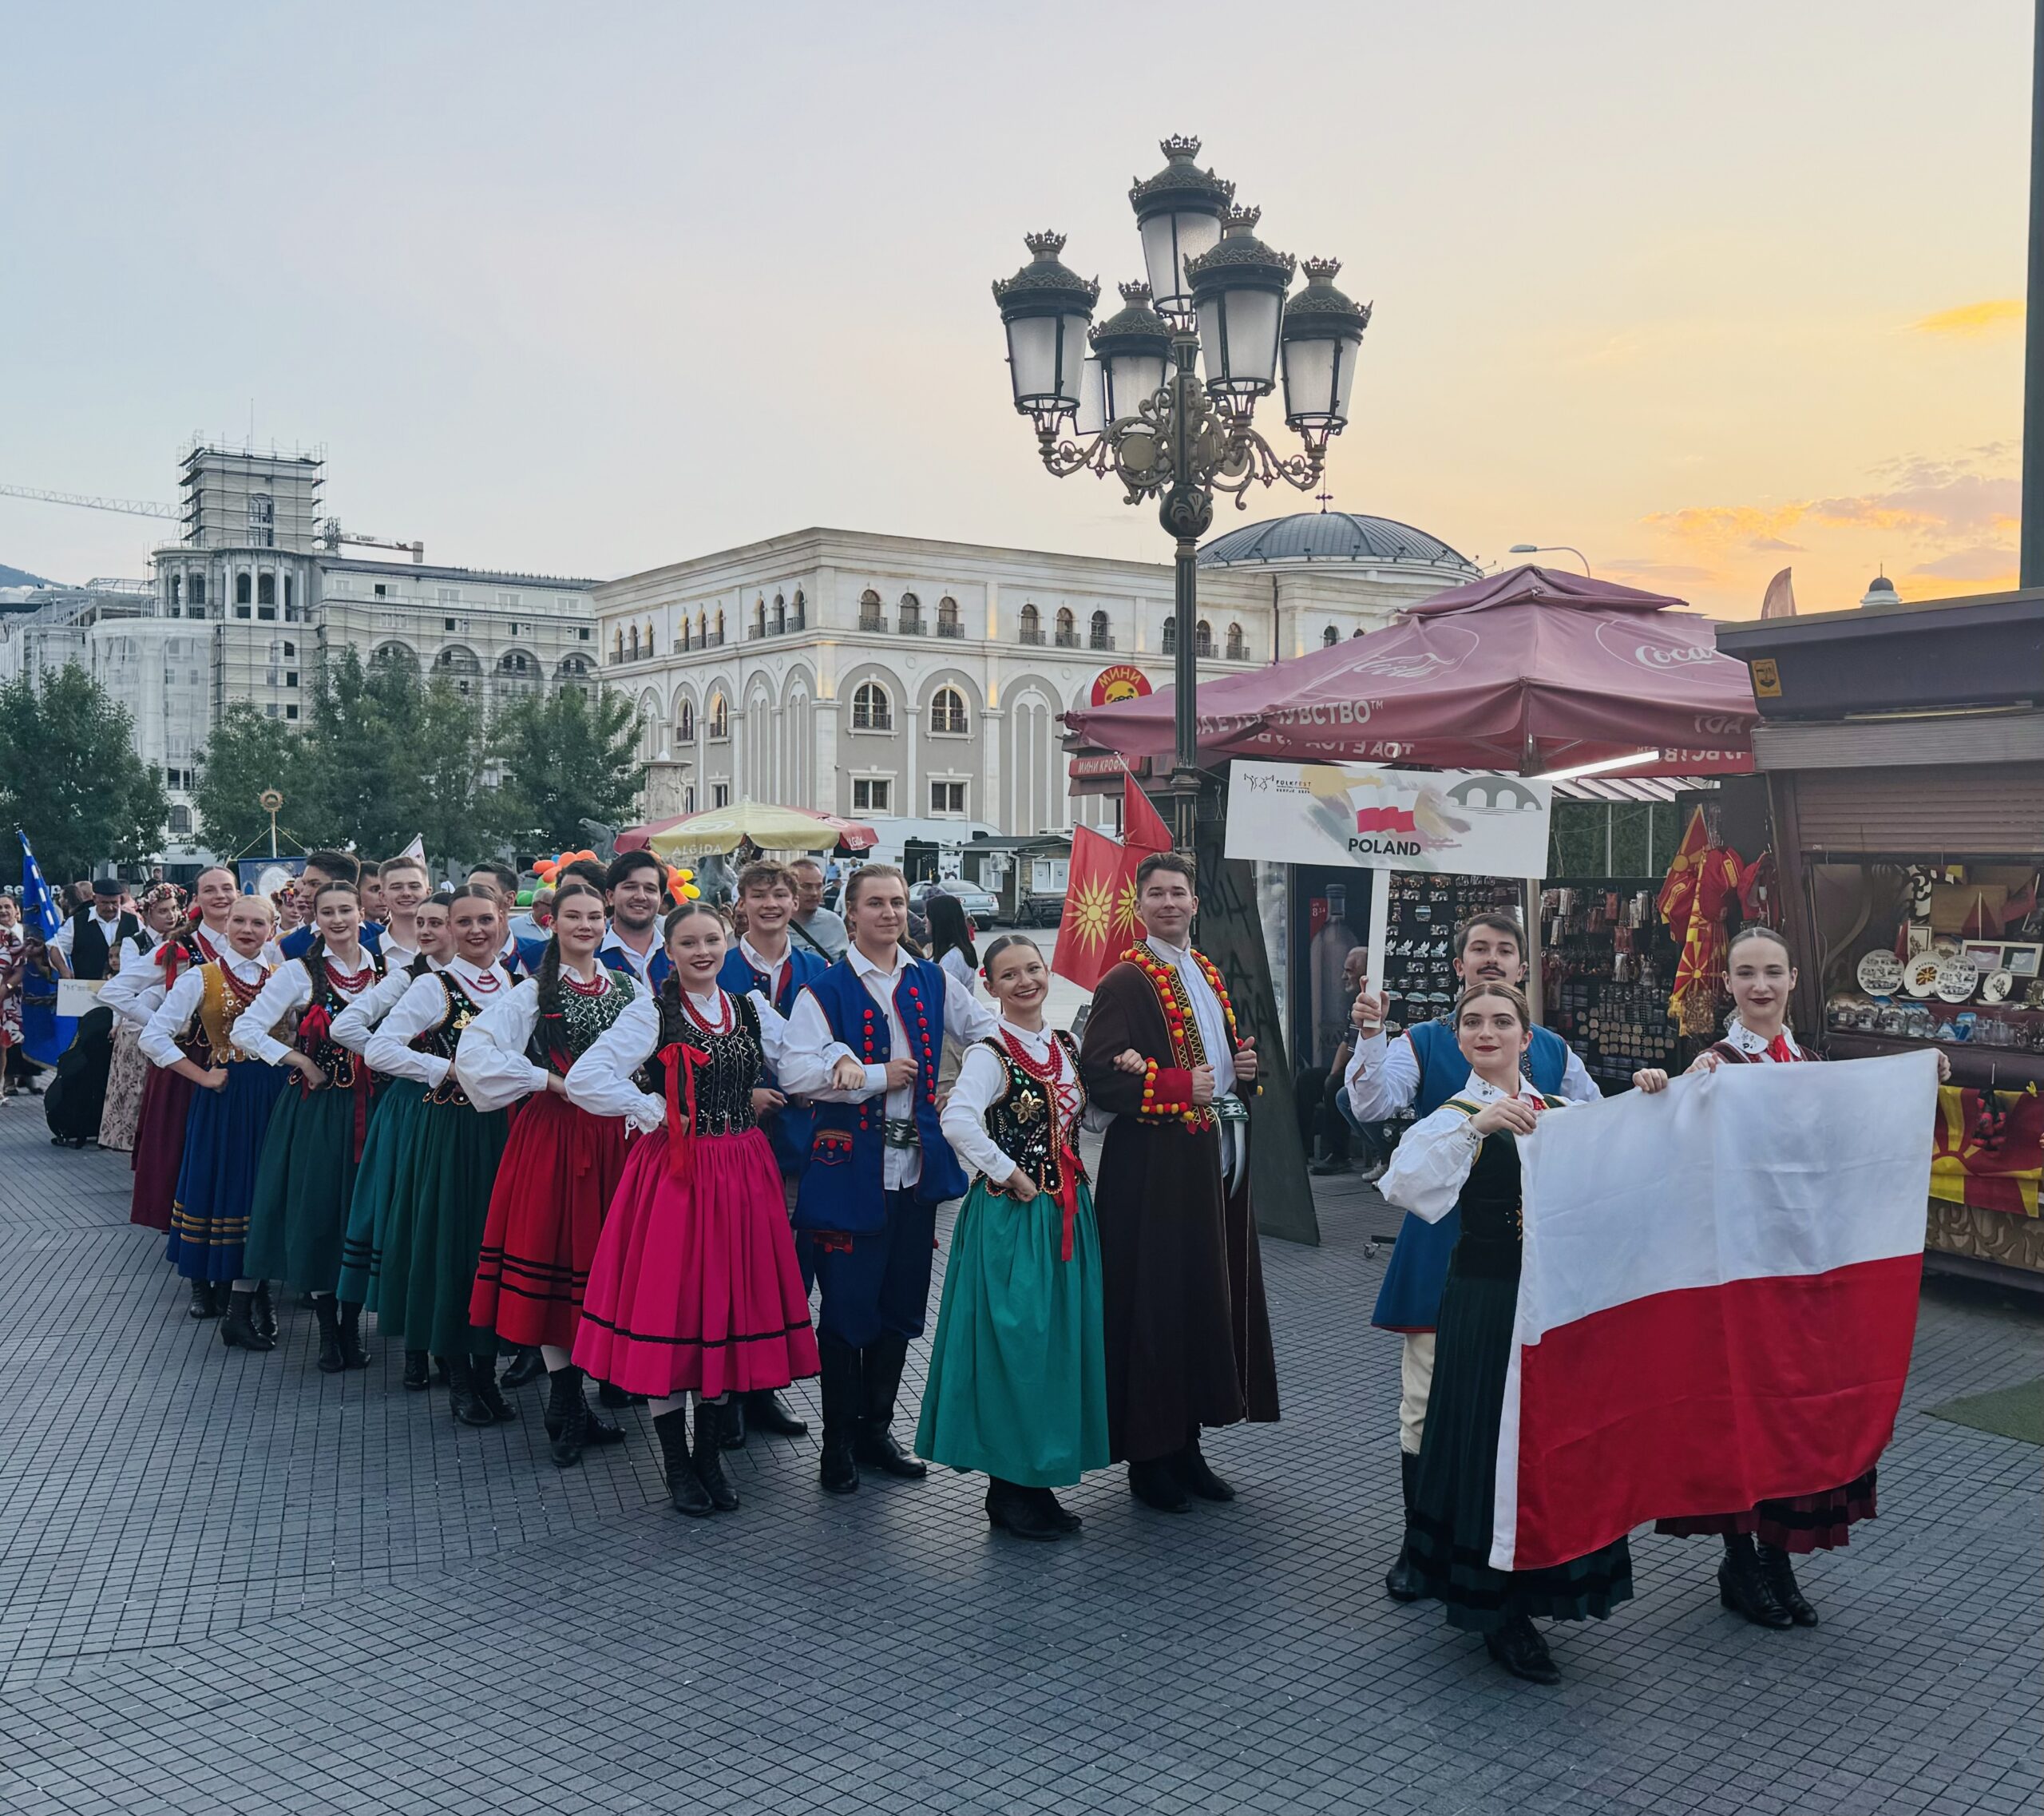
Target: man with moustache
{"type": "Point", "coordinates": [1419, 1072]}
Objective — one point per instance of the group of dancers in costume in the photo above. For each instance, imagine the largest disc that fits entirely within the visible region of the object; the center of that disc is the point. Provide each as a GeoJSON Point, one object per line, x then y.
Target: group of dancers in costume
{"type": "Point", "coordinates": [634, 1148]}
{"type": "Point", "coordinates": [1456, 1174]}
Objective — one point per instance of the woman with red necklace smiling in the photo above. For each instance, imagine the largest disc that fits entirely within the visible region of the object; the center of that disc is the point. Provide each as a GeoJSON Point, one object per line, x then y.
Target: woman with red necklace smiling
{"type": "Point", "coordinates": [230, 1105]}
{"type": "Point", "coordinates": [306, 1176]}
{"type": "Point", "coordinates": [693, 1293]}
{"type": "Point", "coordinates": [560, 1165]}
{"type": "Point", "coordinates": [440, 1193]}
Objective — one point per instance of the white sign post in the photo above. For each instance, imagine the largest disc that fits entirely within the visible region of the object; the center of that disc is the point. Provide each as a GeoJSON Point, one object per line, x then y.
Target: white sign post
{"type": "Point", "coordinates": [1467, 823]}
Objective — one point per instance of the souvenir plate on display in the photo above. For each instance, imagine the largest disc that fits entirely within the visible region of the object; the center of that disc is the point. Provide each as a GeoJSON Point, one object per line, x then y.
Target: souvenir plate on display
{"type": "Point", "coordinates": [1880, 973]}
{"type": "Point", "coordinates": [1920, 975]}
{"type": "Point", "coordinates": [1957, 979]}
{"type": "Point", "coordinates": [1994, 987]}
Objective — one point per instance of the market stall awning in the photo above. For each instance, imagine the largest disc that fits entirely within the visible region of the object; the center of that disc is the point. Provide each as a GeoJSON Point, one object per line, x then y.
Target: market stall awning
{"type": "Point", "coordinates": [722, 829]}
{"type": "Point", "coordinates": [1527, 671]}
{"type": "Point", "coordinates": [853, 835]}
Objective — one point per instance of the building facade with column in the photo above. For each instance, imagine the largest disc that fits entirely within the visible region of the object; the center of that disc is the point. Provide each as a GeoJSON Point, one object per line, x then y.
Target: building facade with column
{"type": "Point", "coordinates": [892, 677]}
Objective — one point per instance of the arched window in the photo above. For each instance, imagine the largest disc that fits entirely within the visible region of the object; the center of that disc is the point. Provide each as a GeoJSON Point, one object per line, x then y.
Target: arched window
{"type": "Point", "coordinates": [1032, 624]}
{"type": "Point", "coordinates": [872, 711]}
{"type": "Point", "coordinates": [947, 617]}
{"type": "Point", "coordinates": [631, 648]}
{"type": "Point", "coordinates": [1357, 632]}
{"type": "Point", "coordinates": [180, 821]}
{"type": "Point", "coordinates": [719, 631]}
{"type": "Point", "coordinates": [617, 646]}
{"type": "Point", "coordinates": [912, 614]}
{"type": "Point", "coordinates": [266, 588]}
{"type": "Point", "coordinates": [1234, 643]}
{"type": "Point", "coordinates": [947, 710]}
{"type": "Point", "coordinates": [719, 718]}
{"type": "Point", "coordinates": [780, 614]}
{"type": "Point", "coordinates": [801, 618]}
{"type": "Point", "coordinates": [1202, 639]}
{"type": "Point", "coordinates": [869, 618]}
{"type": "Point", "coordinates": [759, 616]}
{"type": "Point", "coordinates": [702, 630]}
{"type": "Point", "coordinates": [177, 589]}
{"type": "Point", "coordinates": [1330, 637]}
{"type": "Point", "coordinates": [242, 593]}
{"type": "Point", "coordinates": [684, 722]}
{"type": "Point", "coordinates": [1170, 637]}
{"type": "Point", "coordinates": [1067, 629]}
{"type": "Point", "coordinates": [1098, 637]}
{"type": "Point", "coordinates": [198, 589]}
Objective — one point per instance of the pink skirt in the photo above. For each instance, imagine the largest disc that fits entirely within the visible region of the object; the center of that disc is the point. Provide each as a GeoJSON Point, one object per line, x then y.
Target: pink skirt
{"type": "Point", "coordinates": [695, 1284]}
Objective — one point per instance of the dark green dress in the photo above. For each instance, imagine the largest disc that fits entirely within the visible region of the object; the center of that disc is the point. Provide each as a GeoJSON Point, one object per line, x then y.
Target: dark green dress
{"type": "Point", "coordinates": [1453, 1498]}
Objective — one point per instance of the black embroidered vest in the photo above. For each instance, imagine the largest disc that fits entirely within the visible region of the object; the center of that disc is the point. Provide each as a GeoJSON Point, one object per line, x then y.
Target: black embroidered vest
{"type": "Point", "coordinates": [724, 1086]}
{"type": "Point", "coordinates": [441, 1042]}
{"type": "Point", "coordinates": [558, 1041]}
{"type": "Point", "coordinates": [1023, 1121]}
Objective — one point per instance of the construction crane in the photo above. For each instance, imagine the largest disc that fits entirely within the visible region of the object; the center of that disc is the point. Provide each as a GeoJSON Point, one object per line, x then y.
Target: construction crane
{"type": "Point", "coordinates": [330, 534]}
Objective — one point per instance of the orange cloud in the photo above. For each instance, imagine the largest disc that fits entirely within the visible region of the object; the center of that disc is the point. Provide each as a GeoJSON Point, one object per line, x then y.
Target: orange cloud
{"type": "Point", "coordinates": [1974, 321]}
{"type": "Point", "coordinates": [1719, 526]}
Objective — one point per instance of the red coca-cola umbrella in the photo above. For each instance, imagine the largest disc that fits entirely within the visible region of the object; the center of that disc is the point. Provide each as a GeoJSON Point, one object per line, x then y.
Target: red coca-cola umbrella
{"type": "Point", "coordinates": [1527, 671]}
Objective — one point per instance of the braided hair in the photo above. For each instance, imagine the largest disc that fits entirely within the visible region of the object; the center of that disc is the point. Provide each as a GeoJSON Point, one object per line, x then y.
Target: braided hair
{"type": "Point", "coordinates": [315, 954]}
{"type": "Point", "coordinates": [547, 978]}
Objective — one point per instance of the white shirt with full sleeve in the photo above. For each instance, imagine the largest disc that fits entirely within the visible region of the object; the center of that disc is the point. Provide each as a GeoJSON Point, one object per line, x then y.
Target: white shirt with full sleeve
{"type": "Point", "coordinates": [60, 940]}
{"type": "Point", "coordinates": [288, 993]}
{"type": "Point", "coordinates": [353, 1026]}
{"type": "Point", "coordinates": [1428, 1172]}
{"type": "Point", "coordinates": [158, 1038]}
{"type": "Point", "coordinates": [1383, 1078]}
{"type": "Point", "coordinates": [491, 1061]}
{"type": "Point", "coordinates": [982, 1080]}
{"type": "Point", "coordinates": [806, 1068]}
{"type": "Point", "coordinates": [135, 987]}
{"type": "Point", "coordinates": [602, 1082]}
{"type": "Point", "coordinates": [389, 1048]}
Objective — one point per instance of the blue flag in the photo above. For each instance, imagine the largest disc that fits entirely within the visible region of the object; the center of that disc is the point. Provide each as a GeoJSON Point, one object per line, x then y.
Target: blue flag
{"type": "Point", "coordinates": [45, 1034]}
{"type": "Point", "coordinates": [38, 906]}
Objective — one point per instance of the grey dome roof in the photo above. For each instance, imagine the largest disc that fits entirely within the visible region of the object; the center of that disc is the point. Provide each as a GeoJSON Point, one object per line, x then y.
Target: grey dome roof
{"type": "Point", "coordinates": [1880, 583]}
{"type": "Point", "coordinates": [1331, 536]}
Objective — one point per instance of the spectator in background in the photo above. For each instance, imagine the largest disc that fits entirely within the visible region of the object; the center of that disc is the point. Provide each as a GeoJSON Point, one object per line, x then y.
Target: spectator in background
{"type": "Point", "coordinates": [14, 1067]}
{"type": "Point", "coordinates": [815, 924]}
{"type": "Point", "coordinates": [1326, 1125]}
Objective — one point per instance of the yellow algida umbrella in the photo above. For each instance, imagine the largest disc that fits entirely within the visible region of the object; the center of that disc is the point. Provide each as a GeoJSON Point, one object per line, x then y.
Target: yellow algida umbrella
{"type": "Point", "coordinates": [724, 828]}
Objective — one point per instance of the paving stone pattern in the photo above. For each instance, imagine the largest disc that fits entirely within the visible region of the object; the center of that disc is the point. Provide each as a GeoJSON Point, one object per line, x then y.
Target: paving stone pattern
{"type": "Point", "coordinates": [229, 1583]}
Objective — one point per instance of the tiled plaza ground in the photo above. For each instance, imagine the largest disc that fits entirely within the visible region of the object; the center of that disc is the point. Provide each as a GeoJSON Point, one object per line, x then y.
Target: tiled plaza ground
{"type": "Point", "coordinates": [229, 1582]}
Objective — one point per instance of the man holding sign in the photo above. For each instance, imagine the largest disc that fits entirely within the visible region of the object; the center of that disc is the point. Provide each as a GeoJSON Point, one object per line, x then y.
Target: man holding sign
{"type": "Point", "coordinates": [1420, 1071]}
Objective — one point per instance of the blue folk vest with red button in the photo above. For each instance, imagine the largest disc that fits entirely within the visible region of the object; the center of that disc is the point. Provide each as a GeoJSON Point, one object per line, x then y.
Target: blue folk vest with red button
{"type": "Point", "coordinates": [844, 1187]}
{"type": "Point", "coordinates": [789, 1130]}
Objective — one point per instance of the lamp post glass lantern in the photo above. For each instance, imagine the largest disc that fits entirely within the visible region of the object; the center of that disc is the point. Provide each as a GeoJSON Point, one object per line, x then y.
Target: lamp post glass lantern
{"type": "Point", "coordinates": [1127, 398]}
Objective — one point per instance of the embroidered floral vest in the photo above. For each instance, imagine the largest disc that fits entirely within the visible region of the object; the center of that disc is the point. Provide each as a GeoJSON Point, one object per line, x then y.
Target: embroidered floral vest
{"type": "Point", "coordinates": [1024, 1121]}
{"type": "Point", "coordinates": [724, 1082]}
{"type": "Point", "coordinates": [558, 1041]}
{"type": "Point", "coordinates": [221, 1005]}
{"type": "Point", "coordinates": [442, 1041]}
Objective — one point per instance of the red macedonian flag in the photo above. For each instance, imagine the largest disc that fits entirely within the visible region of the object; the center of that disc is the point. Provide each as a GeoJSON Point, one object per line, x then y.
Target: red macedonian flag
{"type": "Point", "coordinates": [1099, 901]}
{"type": "Point", "coordinates": [1717, 1300]}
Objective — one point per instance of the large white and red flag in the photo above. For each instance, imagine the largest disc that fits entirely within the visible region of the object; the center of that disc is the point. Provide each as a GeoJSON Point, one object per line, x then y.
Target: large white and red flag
{"type": "Point", "coordinates": [1718, 1301]}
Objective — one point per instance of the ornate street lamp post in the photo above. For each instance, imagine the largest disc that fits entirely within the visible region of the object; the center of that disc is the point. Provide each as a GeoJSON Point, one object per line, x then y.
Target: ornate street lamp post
{"type": "Point", "coordinates": [1135, 404]}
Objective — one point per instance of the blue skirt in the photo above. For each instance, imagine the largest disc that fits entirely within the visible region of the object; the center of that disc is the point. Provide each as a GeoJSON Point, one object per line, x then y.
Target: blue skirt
{"type": "Point", "coordinates": [216, 1182]}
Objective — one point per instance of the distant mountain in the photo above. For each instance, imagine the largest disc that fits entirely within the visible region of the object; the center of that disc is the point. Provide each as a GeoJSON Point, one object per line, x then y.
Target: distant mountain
{"type": "Point", "coordinates": [19, 576]}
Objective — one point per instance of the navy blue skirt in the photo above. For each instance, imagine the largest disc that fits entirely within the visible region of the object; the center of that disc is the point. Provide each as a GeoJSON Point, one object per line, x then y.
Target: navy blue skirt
{"type": "Point", "coordinates": [216, 1182]}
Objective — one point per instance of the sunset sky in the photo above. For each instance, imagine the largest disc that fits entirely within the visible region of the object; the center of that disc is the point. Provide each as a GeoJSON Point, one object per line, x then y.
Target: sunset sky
{"type": "Point", "coordinates": [1705, 292]}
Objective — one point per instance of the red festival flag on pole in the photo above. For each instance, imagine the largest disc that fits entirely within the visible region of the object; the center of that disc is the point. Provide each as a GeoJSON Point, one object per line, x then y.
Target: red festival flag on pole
{"type": "Point", "coordinates": [1143, 828]}
{"type": "Point", "coordinates": [1099, 905]}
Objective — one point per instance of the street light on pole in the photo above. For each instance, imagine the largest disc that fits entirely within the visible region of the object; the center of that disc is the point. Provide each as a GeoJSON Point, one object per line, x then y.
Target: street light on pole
{"type": "Point", "coordinates": [1127, 398]}
{"type": "Point", "coordinates": [1550, 548]}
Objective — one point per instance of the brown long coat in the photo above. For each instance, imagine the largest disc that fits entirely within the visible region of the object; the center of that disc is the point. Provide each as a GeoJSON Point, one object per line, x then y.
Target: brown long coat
{"type": "Point", "coordinates": [1188, 1333]}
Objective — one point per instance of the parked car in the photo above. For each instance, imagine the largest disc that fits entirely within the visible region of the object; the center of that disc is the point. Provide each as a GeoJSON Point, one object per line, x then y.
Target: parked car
{"type": "Point", "coordinates": [977, 903]}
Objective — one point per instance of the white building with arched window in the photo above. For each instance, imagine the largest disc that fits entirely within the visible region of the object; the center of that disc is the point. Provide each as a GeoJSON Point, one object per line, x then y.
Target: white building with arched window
{"type": "Point", "coordinates": [892, 677]}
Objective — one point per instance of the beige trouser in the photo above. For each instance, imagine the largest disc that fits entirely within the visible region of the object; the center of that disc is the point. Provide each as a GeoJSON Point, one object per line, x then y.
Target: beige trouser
{"type": "Point", "coordinates": [1416, 1380]}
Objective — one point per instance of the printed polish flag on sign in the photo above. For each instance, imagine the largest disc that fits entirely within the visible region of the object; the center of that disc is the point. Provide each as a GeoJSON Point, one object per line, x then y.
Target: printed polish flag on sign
{"type": "Point", "coordinates": [1718, 1301]}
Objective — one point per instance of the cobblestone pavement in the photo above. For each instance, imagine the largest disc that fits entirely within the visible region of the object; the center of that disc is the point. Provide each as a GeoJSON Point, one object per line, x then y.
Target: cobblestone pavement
{"type": "Point", "coordinates": [230, 1583]}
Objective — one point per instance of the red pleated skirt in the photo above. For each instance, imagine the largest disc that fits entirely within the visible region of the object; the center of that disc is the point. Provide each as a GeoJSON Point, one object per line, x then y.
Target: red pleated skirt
{"type": "Point", "coordinates": [695, 1284]}
{"type": "Point", "coordinates": [560, 1169]}
{"type": "Point", "coordinates": [1800, 1523]}
{"type": "Point", "coordinates": [159, 1150]}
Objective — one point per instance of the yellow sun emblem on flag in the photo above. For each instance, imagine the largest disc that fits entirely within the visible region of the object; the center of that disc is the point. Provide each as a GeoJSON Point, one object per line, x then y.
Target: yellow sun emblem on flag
{"type": "Point", "coordinates": [1091, 912]}
{"type": "Point", "coordinates": [1125, 911]}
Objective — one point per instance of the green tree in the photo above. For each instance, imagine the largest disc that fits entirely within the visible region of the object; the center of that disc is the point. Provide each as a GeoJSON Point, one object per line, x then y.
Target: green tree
{"type": "Point", "coordinates": [565, 758]}
{"type": "Point", "coordinates": [363, 749]}
{"type": "Point", "coordinates": [245, 754]}
{"type": "Point", "coordinates": [69, 777]}
{"type": "Point", "coordinates": [447, 800]}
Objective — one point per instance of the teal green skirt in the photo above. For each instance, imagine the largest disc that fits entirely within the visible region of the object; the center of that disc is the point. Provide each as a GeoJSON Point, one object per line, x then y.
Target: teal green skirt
{"type": "Point", "coordinates": [438, 1206]}
{"type": "Point", "coordinates": [303, 1182]}
{"type": "Point", "coordinates": [391, 1127]}
{"type": "Point", "coordinates": [1017, 1385]}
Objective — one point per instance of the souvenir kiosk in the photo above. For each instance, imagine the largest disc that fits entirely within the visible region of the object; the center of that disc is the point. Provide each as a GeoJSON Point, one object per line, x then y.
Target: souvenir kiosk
{"type": "Point", "coordinates": [1902, 746]}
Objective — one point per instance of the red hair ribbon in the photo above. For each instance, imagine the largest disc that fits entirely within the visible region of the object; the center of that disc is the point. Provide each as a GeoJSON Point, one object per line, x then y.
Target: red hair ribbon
{"type": "Point", "coordinates": [679, 1062]}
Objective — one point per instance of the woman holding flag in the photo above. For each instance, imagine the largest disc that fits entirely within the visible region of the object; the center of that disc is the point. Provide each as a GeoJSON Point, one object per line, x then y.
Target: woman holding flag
{"type": "Point", "coordinates": [1756, 1577]}
{"type": "Point", "coordinates": [1465, 1156]}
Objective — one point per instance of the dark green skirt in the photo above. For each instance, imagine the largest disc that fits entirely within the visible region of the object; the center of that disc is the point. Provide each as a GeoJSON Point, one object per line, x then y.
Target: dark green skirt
{"type": "Point", "coordinates": [397, 1104]}
{"type": "Point", "coordinates": [439, 1201]}
{"type": "Point", "coordinates": [1017, 1385]}
{"type": "Point", "coordinates": [1453, 1501]}
{"type": "Point", "coordinates": [303, 1184]}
